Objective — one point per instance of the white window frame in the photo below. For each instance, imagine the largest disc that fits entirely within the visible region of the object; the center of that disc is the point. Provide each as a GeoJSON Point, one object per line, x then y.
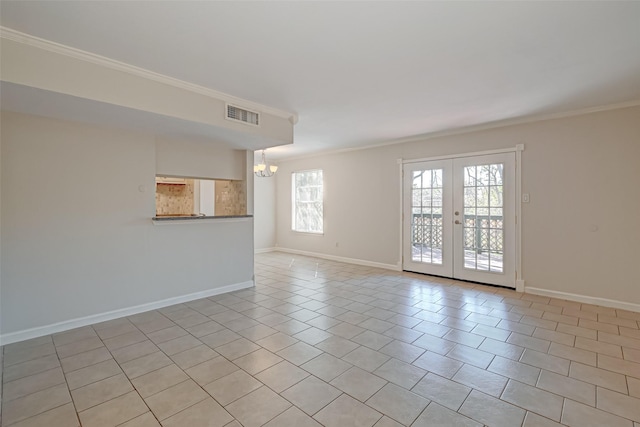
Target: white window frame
{"type": "Point", "coordinates": [294, 202]}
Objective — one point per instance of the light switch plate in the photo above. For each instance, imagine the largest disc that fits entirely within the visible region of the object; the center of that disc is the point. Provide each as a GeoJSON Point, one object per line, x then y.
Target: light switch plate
{"type": "Point", "coordinates": [525, 198]}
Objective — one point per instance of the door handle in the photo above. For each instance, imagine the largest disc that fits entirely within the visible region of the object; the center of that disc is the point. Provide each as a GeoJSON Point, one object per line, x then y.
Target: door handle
{"type": "Point", "coordinates": [457, 221]}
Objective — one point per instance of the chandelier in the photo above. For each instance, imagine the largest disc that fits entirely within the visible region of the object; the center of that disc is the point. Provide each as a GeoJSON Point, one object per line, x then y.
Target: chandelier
{"type": "Point", "coordinates": [264, 169]}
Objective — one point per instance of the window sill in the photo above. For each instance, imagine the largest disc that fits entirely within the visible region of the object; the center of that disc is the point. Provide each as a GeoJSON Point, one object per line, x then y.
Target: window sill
{"type": "Point", "coordinates": [308, 233]}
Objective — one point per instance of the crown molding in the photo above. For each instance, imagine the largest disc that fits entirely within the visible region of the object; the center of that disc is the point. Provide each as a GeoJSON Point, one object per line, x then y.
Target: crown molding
{"type": "Point", "coordinates": [50, 46]}
{"type": "Point", "coordinates": [473, 128]}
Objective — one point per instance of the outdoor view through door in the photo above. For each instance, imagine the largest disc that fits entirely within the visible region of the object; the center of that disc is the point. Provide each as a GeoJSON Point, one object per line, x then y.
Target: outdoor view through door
{"type": "Point", "coordinates": [426, 216]}
{"type": "Point", "coordinates": [459, 218]}
{"type": "Point", "coordinates": [482, 219]}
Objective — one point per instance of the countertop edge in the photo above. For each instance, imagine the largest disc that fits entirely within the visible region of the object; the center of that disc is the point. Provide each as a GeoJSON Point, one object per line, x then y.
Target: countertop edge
{"type": "Point", "coordinates": [198, 219]}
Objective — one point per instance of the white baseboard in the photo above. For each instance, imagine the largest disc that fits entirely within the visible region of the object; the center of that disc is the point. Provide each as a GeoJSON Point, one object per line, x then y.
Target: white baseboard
{"type": "Point", "coordinates": [394, 267]}
{"type": "Point", "coordinates": [605, 302]}
{"type": "Point", "coordinates": [110, 315]}
{"type": "Point", "coordinates": [264, 250]}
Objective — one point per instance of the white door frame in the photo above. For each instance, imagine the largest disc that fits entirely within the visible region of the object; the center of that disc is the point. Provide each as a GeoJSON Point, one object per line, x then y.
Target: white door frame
{"type": "Point", "coordinates": [518, 149]}
{"type": "Point", "coordinates": [446, 267]}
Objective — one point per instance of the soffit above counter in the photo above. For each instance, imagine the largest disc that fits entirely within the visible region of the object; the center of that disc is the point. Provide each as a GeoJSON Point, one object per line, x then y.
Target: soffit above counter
{"type": "Point", "coordinates": [97, 90]}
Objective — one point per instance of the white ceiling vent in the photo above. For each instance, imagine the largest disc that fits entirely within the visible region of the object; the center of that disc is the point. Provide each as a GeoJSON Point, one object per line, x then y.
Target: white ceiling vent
{"type": "Point", "coordinates": [241, 115]}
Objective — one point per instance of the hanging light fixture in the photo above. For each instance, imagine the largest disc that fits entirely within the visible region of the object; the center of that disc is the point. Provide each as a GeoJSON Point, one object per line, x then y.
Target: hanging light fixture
{"type": "Point", "coordinates": [264, 169]}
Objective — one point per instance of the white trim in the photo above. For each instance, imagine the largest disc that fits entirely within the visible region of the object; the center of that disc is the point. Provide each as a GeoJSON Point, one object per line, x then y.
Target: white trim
{"type": "Point", "coordinates": [294, 203]}
{"type": "Point", "coordinates": [518, 202]}
{"type": "Point", "coordinates": [470, 129]}
{"type": "Point", "coordinates": [463, 155]}
{"type": "Point", "coordinates": [264, 250]}
{"type": "Point", "coordinates": [309, 233]}
{"type": "Point", "coordinates": [50, 46]}
{"type": "Point", "coordinates": [115, 314]}
{"type": "Point", "coordinates": [605, 302]}
{"type": "Point", "coordinates": [394, 267]}
{"type": "Point", "coordinates": [401, 199]}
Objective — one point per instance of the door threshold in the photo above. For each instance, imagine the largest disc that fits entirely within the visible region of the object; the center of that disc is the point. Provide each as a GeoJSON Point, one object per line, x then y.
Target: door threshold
{"type": "Point", "coordinates": [462, 280]}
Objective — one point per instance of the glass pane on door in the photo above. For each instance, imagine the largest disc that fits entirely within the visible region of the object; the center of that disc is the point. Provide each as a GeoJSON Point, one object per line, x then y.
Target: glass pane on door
{"type": "Point", "coordinates": [426, 216]}
{"type": "Point", "coordinates": [483, 223]}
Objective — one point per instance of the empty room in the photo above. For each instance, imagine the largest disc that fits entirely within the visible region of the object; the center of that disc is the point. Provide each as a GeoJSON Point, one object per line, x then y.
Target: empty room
{"type": "Point", "coordinates": [319, 213]}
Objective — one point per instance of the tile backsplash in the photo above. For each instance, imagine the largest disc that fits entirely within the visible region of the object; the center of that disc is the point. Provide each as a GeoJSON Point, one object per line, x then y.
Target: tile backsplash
{"type": "Point", "coordinates": [178, 199]}
{"type": "Point", "coordinates": [231, 198]}
{"type": "Point", "coordinates": [172, 199]}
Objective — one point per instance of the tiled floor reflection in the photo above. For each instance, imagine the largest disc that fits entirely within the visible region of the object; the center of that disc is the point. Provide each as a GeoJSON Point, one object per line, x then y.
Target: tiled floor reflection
{"type": "Point", "coordinates": [325, 343]}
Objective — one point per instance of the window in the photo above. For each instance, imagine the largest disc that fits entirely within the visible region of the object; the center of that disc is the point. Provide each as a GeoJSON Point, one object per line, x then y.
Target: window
{"type": "Point", "coordinates": [306, 191]}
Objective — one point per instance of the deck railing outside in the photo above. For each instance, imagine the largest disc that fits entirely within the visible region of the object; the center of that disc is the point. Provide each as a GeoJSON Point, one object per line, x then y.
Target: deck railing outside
{"type": "Point", "coordinates": [427, 230]}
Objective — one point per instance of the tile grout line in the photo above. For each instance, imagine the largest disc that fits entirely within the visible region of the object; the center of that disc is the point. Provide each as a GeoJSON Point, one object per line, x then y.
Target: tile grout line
{"type": "Point", "coordinates": [65, 382]}
{"type": "Point", "coordinates": [124, 373]}
{"type": "Point", "coordinates": [121, 372]}
{"type": "Point", "coordinates": [128, 379]}
{"type": "Point", "coordinates": [173, 362]}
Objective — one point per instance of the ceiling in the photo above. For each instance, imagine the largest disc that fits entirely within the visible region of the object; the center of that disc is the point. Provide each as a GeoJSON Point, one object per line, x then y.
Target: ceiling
{"type": "Point", "coordinates": [364, 73]}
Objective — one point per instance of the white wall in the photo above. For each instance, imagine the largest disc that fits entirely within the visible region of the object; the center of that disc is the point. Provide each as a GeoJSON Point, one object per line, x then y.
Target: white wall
{"type": "Point", "coordinates": [581, 172]}
{"type": "Point", "coordinates": [0, 239]}
{"type": "Point", "coordinates": [77, 235]}
{"type": "Point", "coordinates": [198, 159]}
{"type": "Point", "coordinates": [264, 213]}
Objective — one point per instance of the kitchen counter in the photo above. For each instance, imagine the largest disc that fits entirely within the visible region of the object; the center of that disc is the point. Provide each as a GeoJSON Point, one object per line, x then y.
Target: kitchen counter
{"type": "Point", "coordinates": [181, 219]}
{"type": "Point", "coordinates": [178, 215]}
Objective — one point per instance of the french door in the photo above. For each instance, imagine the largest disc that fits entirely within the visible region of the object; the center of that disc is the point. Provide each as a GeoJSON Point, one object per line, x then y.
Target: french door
{"type": "Point", "coordinates": [459, 218]}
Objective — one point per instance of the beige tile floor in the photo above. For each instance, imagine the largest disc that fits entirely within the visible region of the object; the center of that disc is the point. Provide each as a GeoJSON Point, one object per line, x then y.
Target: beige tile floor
{"type": "Point", "coordinates": [325, 343]}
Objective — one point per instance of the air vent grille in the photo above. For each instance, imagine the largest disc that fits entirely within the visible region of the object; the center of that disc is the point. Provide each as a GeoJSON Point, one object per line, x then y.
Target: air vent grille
{"type": "Point", "coordinates": [242, 115]}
